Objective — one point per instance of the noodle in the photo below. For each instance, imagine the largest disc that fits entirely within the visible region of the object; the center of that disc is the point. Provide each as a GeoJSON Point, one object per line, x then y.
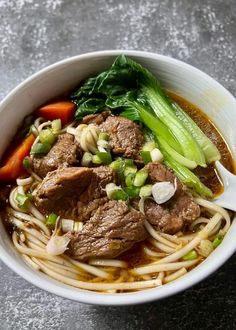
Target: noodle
{"type": "Point", "coordinates": [175, 275]}
{"type": "Point", "coordinates": [163, 267]}
{"type": "Point", "coordinates": [165, 264]}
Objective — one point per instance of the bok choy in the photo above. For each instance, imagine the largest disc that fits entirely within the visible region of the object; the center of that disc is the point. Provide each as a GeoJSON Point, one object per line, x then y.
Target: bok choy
{"type": "Point", "coordinates": [130, 90]}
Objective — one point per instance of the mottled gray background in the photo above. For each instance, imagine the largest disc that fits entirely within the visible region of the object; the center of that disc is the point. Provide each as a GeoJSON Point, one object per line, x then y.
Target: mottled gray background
{"type": "Point", "coordinates": [34, 34]}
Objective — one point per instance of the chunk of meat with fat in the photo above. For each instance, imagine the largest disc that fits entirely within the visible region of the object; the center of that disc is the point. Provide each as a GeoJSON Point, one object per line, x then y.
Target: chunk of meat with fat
{"type": "Point", "coordinates": [179, 211]}
{"type": "Point", "coordinates": [125, 137]}
{"type": "Point", "coordinates": [113, 229]}
{"type": "Point", "coordinates": [74, 192]}
{"type": "Point", "coordinates": [65, 152]}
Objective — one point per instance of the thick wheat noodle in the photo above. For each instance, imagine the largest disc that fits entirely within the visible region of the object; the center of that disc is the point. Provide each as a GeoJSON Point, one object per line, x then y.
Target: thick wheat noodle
{"type": "Point", "coordinates": [34, 220]}
{"type": "Point", "coordinates": [34, 240]}
{"type": "Point", "coordinates": [24, 181]}
{"type": "Point", "coordinates": [197, 221]}
{"type": "Point", "coordinates": [157, 236]}
{"type": "Point", "coordinates": [154, 268]}
{"type": "Point", "coordinates": [12, 200]}
{"type": "Point", "coordinates": [35, 247]}
{"type": "Point", "coordinates": [100, 286]}
{"type": "Point", "coordinates": [203, 234]}
{"type": "Point", "coordinates": [217, 209]}
{"type": "Point", "coordinates": [31, 231]}
{"type": "Point", "coordinates": [90, 269]}
{"type": "Point", "coordinates": [35, 142]}
{"type": "Point", "coordinates": [172, 238]}
{"type": "Point", "coordinates": [175, 275]}
{"type": "Point", "coordinates": [32, 209]}
{"type": "Point", "coordinates": [161, 246]}
{"type": "Point", "coordinates": [187, 238]}
{"type": "Point", "coordinates": [38, 121]}
{"type": "Point", "coordinates": [161, 276]}
{"type": "Point", "coordinates": [152, 253]}
{"type": "Point", "coordinates": [71, 130]}
{"type": "Point", "coordinates": [30, 262]}
{"type": "Point", "coordinates": [37, 178]}
{"type": "Point", "coordinates": [35, 212]}
{"type": "Point", "coordinates": [108, 262]}
{"type": "Point", "coordinates": [71, 269]}
{"type": "Point", "coordinates": [41, 126]}
{"type": "Point", "coordinates": [60, 271]}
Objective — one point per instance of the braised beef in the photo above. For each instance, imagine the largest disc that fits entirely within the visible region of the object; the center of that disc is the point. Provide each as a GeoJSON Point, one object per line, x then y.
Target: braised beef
{"type": "Point", "coordinates": [74, 192]}
{"type": "Point", "coordinates": [125, 137]}
{"type": "Point", "coordinates": [65, 152]}
{"type": "Point", "coordinates": [97, 118]}
{"type": "Point", "coordinates": [113, 229]}
{"type": "Point", "coordinates": [179, 211]}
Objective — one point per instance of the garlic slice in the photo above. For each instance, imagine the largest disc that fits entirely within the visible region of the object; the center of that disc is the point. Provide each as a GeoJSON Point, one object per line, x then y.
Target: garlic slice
{"type": "Point", "coordinates": [163, 191]}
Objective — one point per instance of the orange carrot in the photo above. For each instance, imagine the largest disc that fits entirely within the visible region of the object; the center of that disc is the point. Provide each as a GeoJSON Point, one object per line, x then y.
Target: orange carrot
{"type": "Point", "coordinates": [63, 110]}
{"type": "Point", "coordinates": [13, 166]}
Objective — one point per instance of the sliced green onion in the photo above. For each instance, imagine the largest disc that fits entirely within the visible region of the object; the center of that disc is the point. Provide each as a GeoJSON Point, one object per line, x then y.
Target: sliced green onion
{"type": "Point", "coordinates": [96, 160]}
{"type": "Point", "coordinates": [117, 165]}
{"type": "Point", "coordinates": [130, 170]}
{"type": "Point", "coordinates": [103, 136]}
{"type": "Point", "coordinates": [33, 130]}
{"type": "Point", "coordinates": [115, 192]}
{"type": "Point", "coordinates": [129, 180]}
{"type": "Point", "coordinates": [146, 156]}
{"type": "Point", "coordinates": [191, 255]}
{"type": "Point", "coordinates": [205, 247]}
{"type": "Point", "coordinates": [40, 148]}
{"type": "Point", "coordinates": [21, 200]}
{"type": "Point", "coordinates": [105, 157]}
{"type": "Point", "coordinates": [146, 191]}
{"type": "Point", "coordinates": [140, 178]}
{"type": "Point", "coordinates": [102, 144]}
{"type": "Point", "coordinates": [132, 191]}
{"type": "Point", "coordinates": [149, 146]}
{"type": "Point", "coordinates": [120, 194]}
{"type": "Point", "coordinates": [51, 220]}
{"type": "Point", "coordinates": [30, 196]}
{"type": "Point", "coordinates": [156, 155]}
{"type": "Point", "coordinates": [86, 159]}
{"type": "Point", "coordinates": [56, 126]}
{"type": "Point", "coordinates": [26, 163]}
{"type": "Point", "coordinates": [217, 241]}
{"type": "Point", "coordinates": [128, 162]}
{"type": "Point", "coordinates": [47, 136]}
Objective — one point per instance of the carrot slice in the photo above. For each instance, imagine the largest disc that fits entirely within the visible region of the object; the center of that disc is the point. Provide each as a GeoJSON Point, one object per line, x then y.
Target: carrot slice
{"type": "Point", "coordinates": [13, 166]}
{"type": "Point", "coordinates": [63, 110]}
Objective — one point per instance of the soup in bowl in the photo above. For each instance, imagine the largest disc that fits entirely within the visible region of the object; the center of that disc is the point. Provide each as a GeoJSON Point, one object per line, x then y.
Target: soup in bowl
{"type": "Point", "coordinates": [108, 178]}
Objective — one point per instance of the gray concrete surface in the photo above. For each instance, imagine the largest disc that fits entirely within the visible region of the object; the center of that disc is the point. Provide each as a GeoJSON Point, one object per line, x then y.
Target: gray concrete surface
{"type": "Point", "coordinates": [34, 34]}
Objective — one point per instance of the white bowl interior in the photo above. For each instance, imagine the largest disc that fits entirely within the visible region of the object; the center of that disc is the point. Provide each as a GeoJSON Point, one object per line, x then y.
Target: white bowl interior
{"type": "Point", "coordinates": [178, 77]}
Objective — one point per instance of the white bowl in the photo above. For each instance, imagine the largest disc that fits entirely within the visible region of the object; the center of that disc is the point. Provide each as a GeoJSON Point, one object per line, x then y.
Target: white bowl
{"type": "Point", "coordinates": [183, 79]}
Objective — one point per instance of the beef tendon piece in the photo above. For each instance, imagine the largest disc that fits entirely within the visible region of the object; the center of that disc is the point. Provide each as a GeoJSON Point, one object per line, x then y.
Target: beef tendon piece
{"type": "Point", "coordinates": [113, 229]}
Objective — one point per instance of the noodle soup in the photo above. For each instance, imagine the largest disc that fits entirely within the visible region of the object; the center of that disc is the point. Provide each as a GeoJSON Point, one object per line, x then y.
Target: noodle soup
{"type": "Point", "coordinates": [89, 207]}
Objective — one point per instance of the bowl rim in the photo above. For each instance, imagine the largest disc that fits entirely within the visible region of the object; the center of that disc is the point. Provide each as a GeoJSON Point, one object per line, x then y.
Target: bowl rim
{"type": "Point", "coordinates": [197, 274]}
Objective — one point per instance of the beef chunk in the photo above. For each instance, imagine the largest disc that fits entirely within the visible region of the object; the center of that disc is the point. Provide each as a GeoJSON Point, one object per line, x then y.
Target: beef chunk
{"type": "Point", "coordinates": [113, 229]}
{"type": "Point", "coordinates": [66, 151]}
{"type": "Point", "coordinates": [74, 192]}
{"type": "Point", "coordinates": [97, 118]}
{"type": "Point", "coordinates": [125, 137]}
{"type": "Point", "coordinates": [179, 211]}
